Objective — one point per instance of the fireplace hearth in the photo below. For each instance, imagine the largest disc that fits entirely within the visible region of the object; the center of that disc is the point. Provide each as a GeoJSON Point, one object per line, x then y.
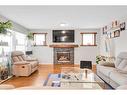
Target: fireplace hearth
{"type": "Point", "coordinates": [63, 55]}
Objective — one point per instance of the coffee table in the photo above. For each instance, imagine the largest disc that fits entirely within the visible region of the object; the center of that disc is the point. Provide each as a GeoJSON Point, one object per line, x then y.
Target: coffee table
{"type": "Point", "coordinates": [76, 78]}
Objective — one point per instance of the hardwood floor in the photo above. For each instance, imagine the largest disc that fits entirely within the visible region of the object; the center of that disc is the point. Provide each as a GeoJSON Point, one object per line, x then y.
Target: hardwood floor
{"type": "Point", "coordinates": [38, 77]}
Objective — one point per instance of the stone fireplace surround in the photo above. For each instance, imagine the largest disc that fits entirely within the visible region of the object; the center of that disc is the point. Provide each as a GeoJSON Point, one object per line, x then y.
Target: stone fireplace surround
{"type": "Point", "coordinates": [64, 50]}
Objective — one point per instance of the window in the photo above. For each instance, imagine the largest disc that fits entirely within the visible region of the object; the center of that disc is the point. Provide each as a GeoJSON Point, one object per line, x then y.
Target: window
{"type": "Point", "coordinates": [20, 41]}
{"type": "Point", "coordinates": [39, 39]}
{"type": "Point", "coordinates": [5, 44]}
{"type": "Point", "coordinates": [88, 39]}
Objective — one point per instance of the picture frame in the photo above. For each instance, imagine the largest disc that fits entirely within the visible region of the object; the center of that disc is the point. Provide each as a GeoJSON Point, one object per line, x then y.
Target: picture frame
{"type": "Point", "coordinates": [122, 26]}
{"type": "Point", "coordinates": [104, 30]}
{"type": "Point", "coordinates": [117, 33]}
{"type": "Point", "coordinates": [112, 35]}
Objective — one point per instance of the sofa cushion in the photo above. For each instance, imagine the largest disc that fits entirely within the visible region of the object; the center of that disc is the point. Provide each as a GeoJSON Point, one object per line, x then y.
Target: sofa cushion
{"type": "Point", "coordinates": [104, 63]}
{"type": "Point", "coordinates": [23, 57]}
{"type": "Point", "coordinates": [123, 87]}
{"type": "Point", "coordinates": [15, 59]}
{"type": "Point", "coordinates": [33, 64]}
{"type": "Point", "coordinates": [117, 62]}
{"type": "Point", "coordinates": [106, 70]}
{"type": "Point", "coordinates": [121, 62]}
{"type": "Point", "coordinates": [21, 63]}
{"type": "Point", "coordinates": [123, 66]}
{"type": "Point", "coordinates": [122, 56]}
{"type": "Point", "coordinates": [118, 77]}
{"type": "Point", "coordinates": [20, 58]}
{"type": "Point", "coordinates": [17, 53]}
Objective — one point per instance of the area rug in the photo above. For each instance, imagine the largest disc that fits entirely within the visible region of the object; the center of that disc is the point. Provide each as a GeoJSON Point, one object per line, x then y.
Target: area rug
{"type": "Point", "coordinates": [53, 80]}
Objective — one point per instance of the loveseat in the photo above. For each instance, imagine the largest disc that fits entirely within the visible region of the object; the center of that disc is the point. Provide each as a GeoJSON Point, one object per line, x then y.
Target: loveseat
{"type": "Point", "coordinates": [115, 74]}
{"type": "Point", "coordinates": [21, 65]}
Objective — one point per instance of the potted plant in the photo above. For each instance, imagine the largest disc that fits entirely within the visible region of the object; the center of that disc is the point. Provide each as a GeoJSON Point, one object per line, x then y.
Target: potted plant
{"type": "Point", "coordinates": [100, 58]}
{"type": "Point", "coordinates": [4, 26]}
{"type": "Point", "coordinates": [30, 36]}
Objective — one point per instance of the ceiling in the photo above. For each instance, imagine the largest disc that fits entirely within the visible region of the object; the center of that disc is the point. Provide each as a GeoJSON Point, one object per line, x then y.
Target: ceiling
{"type": "Point", "coordinates": [48, 17]}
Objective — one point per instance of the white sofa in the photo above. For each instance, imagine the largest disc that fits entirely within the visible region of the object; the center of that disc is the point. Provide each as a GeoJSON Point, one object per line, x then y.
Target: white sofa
{"type": "Point", "coordinates": [115, 74]}
{"type": "Point", "coordinates": [21, 66]}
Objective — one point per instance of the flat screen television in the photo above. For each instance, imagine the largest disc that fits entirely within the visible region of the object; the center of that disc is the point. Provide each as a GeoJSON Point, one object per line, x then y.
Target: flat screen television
{"type": "Point", "coordinates": [66, 36]}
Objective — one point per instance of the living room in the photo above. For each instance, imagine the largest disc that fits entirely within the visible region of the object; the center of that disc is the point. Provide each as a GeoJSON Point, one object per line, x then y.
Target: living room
{"type": "Point", "coordinates": [45, 47]}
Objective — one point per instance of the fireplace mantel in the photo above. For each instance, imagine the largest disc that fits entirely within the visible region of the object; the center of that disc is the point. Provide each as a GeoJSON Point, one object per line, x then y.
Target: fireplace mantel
{"type": "Point", "coordinates": [63, 45]}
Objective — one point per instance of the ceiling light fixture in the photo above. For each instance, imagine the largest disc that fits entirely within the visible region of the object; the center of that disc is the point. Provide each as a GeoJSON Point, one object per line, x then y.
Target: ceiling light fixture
{"type": "Point", "coordinates": [63, 32]}
{"type": "Point", "coordinates": [63, 24]}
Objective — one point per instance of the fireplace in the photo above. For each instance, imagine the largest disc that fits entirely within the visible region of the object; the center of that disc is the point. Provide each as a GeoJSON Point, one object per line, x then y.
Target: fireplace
{"type": "Point", "coordinates": [63, 55]}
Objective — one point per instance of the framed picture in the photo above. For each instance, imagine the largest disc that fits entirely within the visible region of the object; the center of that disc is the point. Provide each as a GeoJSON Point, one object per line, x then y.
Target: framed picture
{"type": "Point", "coordinates": [112, 35]}
{"type": "Point", "coordinates": [117, 33]}
{"type": "Point", "coordinates": [104, 29]}
{"type": "Point", "coordinates": [122, 26]}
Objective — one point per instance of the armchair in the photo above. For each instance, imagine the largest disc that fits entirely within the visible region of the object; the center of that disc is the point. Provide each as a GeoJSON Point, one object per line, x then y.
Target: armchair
{"type": "Point", "coordinates": [22, 66]}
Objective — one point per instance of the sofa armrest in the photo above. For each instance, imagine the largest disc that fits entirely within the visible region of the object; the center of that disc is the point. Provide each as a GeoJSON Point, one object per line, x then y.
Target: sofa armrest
{"type": "Point", "coordinates": [122, 87]}
{"type": "Point", "coordinates": [31, 59]}
{"type": "Point", "coordinates": [104, 63]}
{"type": "Point", "coordinates": [21, 63]}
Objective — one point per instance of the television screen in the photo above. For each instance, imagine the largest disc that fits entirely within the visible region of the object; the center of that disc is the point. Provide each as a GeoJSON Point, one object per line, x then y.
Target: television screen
{"type": "Point", "coordinates": [63, 36]}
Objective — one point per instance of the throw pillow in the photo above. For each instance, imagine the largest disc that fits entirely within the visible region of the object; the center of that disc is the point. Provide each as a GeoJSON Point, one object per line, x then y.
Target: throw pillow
{"type": "Point", "coordinates": [118, 61]}
{"type": "Point", "coordinates": [123, 66]}
{"type": "Point", "coordinates": [109, 64]}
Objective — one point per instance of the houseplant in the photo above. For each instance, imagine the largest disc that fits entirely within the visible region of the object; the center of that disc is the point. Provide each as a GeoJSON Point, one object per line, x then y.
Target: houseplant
{"type": "Point", "coordinates": [30, 36]}
{"type": "Point", "coordinates": [4, 26]}
{"type": "Point", "coordinates": [100, 58]}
